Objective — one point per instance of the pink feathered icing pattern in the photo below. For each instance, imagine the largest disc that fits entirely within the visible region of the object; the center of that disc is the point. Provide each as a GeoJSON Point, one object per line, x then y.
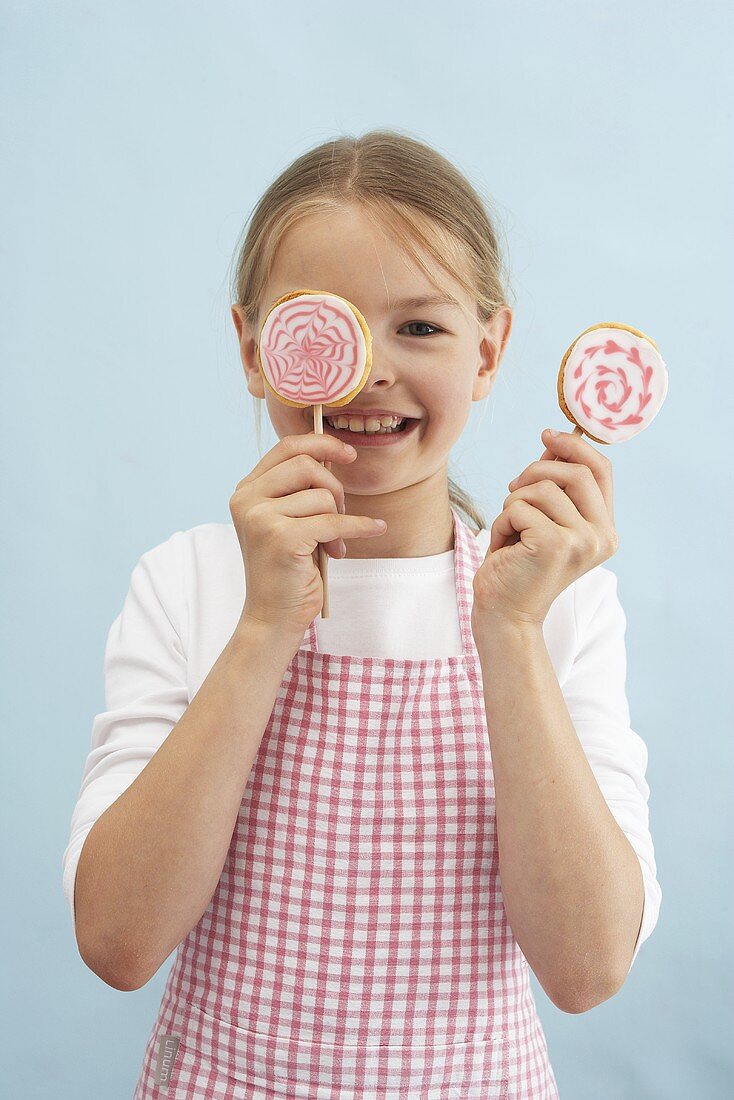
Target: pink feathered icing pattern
{"type": "Point", "coordinates": [614, 383]}
{"type": "Point", "coordinates": [312, 349]}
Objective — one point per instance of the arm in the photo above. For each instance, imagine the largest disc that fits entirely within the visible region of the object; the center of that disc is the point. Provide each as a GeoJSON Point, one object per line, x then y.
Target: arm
{"type": "Point", "coordinates": [152, 860]}
{"type": "Point", "coordinates": [571, 881]}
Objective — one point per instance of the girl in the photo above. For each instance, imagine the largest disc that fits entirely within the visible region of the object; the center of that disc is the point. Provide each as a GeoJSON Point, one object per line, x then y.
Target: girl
{"type": "Point", "coordinates": [360, 833]}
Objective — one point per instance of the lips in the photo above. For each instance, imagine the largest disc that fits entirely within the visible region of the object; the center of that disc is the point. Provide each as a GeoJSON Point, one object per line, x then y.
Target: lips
{"type": "Point", "coordinates": [351, 410]}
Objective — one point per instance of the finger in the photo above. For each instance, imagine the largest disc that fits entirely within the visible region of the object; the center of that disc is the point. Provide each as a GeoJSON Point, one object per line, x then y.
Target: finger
{"type": "Point", "coordinates": [324, 526]}
{"type": "Point", "coordinates": [577, 482]}
{"type": "Point", "coordinates": [301, 472]}
{"type": "Point", "coordinates": [320, 447]}
{"type": "Point", "coordinates": [521, 521]}
{"type": "Point", "coordinates": [574, 448]}
{"type": "Point", "coordinates": [549, 498]}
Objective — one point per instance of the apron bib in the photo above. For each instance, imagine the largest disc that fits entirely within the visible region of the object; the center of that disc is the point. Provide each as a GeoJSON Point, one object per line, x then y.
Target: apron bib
{"type": "Point", "coordinates": [356, 944]}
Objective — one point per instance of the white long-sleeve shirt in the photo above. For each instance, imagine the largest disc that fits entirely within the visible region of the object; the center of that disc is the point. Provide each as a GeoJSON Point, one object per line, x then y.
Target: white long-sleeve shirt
{"type": "Point", "coordinates": [183, 605]}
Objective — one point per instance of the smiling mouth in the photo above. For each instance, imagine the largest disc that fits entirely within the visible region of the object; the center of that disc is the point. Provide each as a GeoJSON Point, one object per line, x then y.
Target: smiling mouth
{"type": "Point", "coordinates": [363, 423]}
{"type": "Point", "coordinates": [374, 438]}
{"type": "Point", "coordinates": [385, 429]}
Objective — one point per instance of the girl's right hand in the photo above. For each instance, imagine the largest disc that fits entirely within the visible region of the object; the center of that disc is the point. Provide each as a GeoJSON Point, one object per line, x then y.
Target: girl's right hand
{"type": "Point", "coordinates": [281, 511]}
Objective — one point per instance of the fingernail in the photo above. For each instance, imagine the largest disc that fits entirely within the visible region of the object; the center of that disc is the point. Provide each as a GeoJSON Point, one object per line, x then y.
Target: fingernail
{"type": "Point", "coordinates": [350, 450]}
{"type": "Point", "coordinates": [551, 431]}
{"type": "Point", "coordinates": [381, 524]}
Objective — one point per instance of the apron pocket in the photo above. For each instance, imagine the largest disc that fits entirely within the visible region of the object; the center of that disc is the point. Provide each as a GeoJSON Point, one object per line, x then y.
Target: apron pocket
{"type": "Point", "coordinates": [282, 1068]}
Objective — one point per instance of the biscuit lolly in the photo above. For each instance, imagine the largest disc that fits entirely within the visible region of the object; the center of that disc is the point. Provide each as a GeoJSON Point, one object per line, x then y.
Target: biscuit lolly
{"type": "Point", "coordinates": [315, 348]}
{"type": "Point", "coordinates": [612, 382]}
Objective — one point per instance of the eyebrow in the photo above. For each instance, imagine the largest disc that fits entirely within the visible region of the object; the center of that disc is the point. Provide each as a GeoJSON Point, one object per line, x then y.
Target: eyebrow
{"type": "Point", "coordinates": [426, 300]}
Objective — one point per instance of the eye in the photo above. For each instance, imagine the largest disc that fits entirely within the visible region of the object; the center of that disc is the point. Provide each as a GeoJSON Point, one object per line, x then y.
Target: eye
{"type": "Point", "coordinates": [425, 324]}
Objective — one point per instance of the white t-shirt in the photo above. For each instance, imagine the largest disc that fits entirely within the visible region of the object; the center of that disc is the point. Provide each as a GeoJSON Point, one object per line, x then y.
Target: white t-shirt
{"type": "Point", "coordinates": [183, 605]}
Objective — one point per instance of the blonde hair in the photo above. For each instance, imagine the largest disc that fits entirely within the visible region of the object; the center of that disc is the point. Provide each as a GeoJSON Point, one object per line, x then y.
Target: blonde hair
{"type": "Point", "coordinates": [406, 187]}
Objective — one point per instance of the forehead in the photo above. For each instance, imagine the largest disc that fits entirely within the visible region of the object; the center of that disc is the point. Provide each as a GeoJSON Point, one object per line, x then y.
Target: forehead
{"type": "Point", "coordinates": [347, 252]}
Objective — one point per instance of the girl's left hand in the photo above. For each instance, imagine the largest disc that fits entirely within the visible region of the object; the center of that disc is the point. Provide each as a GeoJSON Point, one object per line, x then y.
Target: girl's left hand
{"type": "Point", "coordinates": [556, 524]}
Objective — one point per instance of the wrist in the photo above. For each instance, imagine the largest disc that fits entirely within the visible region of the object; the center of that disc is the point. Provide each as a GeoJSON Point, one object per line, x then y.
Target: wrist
{"type": "Point", "coordinates": [499, 632]}
{"type": "Point", "coordinates": [252, 634]}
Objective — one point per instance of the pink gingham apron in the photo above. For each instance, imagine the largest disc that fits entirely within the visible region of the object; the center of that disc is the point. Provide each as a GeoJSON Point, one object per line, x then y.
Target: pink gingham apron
{"type": "Point", "coordinates": [356, 944]}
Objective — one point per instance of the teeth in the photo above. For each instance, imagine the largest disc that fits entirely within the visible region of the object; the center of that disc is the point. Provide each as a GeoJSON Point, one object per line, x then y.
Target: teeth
{"type": "Point", "coordinates": [370, 424]}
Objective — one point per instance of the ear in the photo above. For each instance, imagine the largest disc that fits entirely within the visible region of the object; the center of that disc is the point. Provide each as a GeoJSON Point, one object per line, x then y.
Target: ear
{"type": "Point", "coordinates": [248, 354]}
{"type": "Point", "coordinates": [495, 334]}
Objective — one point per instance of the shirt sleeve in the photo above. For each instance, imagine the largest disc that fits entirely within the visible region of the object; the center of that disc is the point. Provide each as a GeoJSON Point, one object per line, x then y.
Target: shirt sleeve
{"type": "Point", "coordinates": [595, 695]}
{"type": "Point", "coordinates": [145, 694]}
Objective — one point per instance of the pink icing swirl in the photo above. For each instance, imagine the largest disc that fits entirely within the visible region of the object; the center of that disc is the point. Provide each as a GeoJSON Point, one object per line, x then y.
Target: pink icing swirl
{"type": "Point", "coordinates": [312, 349]}
{"type": "Point", "coordinates": [609, 389]}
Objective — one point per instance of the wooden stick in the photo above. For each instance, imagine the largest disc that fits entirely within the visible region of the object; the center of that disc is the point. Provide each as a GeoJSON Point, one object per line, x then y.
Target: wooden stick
{"type": "Point", "coordinates": [323, 557]}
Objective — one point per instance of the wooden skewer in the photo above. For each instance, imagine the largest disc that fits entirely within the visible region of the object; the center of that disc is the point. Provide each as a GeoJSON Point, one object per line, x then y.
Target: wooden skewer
{"type": "Point", "coordinates": [323, 557]}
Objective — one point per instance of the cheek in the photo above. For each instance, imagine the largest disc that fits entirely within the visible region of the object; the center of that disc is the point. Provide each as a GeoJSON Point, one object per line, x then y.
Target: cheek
{"type": "Point", "coordinates": [447, 416]}
{"type": "Point", "coordinates": [444, 381]}
{"type": "Point", "coordinates": [285, 419]}
{"type": "Point", "coordinates": [446, 397]}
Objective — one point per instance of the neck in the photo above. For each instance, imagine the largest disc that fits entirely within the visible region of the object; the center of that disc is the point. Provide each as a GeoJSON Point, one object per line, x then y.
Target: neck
{"type": "Point", "coordinates": [419, 521]}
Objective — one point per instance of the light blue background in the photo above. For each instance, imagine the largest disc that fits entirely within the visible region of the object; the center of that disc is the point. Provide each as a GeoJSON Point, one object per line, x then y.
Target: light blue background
{"type": "Point", "coordinates": [137, 138]}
